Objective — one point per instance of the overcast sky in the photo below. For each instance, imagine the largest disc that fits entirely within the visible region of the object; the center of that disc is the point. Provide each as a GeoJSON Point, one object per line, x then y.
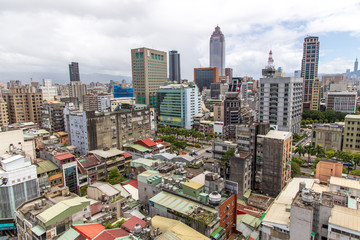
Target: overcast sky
{"type": "Point", "coordinates": [45, 36]}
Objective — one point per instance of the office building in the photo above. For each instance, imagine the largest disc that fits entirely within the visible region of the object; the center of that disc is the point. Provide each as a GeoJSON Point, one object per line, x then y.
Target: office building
{"type": "Point", "coordinates": [229, 74]}
{"type": "Point", "coordinates": [309, 68]}
{"type": "Point", "coordinates": [120, 92]}
{"type": "Point", "coordinates": [149, 72]}
{"type": "Point", "coordinates": [174, 66]}
{"type": "Point", "coordinates": [281, 102]}
{"type": "Point", "coordinates": [341, 101]}
{"type": "Point", "coordinates": [217, 50]}
{"type": "Point", "coordinates": [351, 140]}
{"type": "Point", "coordinates": [77, 90]}
{"type": "Point", "coordinates": [356, 65]}
{"type": "Point", "coordinates": [316, 95]}
{"type": "Point", "coordinates": [53, 116]}
{"type": "Point", "coordinates": [74, 72]}
{"type": "Point", "coordinates": [49, 91]}
{"type": "Point", "coordinates": [329, 136]}
{"type": "Point", "coordinates": [23, 106]}
{"type": "Point", "coordinates": [273, 156]}
{"type": "Point", "coordinates": [203, 77]}
{"type": "Point", "coordinates": [232, 116]}
{"type": "Point", "coordinates": [94, 130]}
{"type": "Point", "coordinates": [177, 105]}
{"type": "Point", "coordinates": [18, 183]}
{"type": "Point", "coordinates": [4, 117]}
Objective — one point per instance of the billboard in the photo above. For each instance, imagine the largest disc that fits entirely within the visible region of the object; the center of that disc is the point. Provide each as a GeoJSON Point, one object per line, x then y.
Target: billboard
{"type": "Point", "coordinates": [152, 119]}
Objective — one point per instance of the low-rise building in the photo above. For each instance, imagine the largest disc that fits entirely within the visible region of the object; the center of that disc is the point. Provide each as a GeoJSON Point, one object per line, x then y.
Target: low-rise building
{"type": "Point", "coordinates": [341, 101]}
{"type": "Point", "coordinates": [113, 157]}
{"type": "Point", "coordinates": [329, 136]}
{"type": "Point", "coordinates": [91, 170]}
{"type": "Point", "coordinates": [351, 138]}
{"type": "Point", "coordinates": [327, 169]}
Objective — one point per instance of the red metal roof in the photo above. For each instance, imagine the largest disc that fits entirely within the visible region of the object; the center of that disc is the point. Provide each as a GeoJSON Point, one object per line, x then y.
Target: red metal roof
{"type": "Point", "coordinates": [89, 230]}
{"type": "Point", "coordinates": [63, 156]}
{"type": "Point", "coordinates": [130, 224]}
{"type": "Point", "coordinates": [132, 182]}
{"type": "Point", "coordinates": [111, 234]}
{"type": "Point", "coordinates": [147, 142]}
{"type": "Point", "coordinates": [126, 155]}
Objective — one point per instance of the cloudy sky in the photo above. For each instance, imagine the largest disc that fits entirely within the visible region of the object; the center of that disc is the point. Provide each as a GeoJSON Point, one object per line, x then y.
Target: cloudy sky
{"type": "Point", "coordinates": [45, 36]}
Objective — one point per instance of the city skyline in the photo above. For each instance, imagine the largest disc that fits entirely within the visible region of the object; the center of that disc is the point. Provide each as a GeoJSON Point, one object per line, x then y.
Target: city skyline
{"type": "Point", "coordinates": [100, 38]}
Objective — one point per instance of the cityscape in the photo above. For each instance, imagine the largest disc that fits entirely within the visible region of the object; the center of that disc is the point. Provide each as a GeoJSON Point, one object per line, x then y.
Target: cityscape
{"type": "Point", "coordinates": [211, 148]}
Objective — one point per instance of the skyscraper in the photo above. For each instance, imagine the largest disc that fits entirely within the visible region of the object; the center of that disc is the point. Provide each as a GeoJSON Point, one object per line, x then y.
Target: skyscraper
{"type": "Point", "coordinates": [309, 68]}
{"type": "Point", "coordinates": [174, 66]}
{"type": "Point", "coordinates": [74, 71]}
{"type": "Point", "coordinates": [149, 72]}
{"type": "Point", "coordinates": [356, 65]}
{"type": "Point", "coordinates": [217, 50]}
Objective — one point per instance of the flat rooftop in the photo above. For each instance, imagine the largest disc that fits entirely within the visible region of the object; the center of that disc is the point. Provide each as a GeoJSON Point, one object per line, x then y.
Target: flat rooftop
{"type": "Point", "coordinates": [345, 217]}
{"type": "Point", "coordinates": [344, 182]}
{"type": "Point", "coordinates": [281, 135]}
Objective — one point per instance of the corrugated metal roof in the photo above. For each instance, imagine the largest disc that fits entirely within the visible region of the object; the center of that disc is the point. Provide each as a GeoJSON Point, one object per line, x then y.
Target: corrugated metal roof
{"type": "Point", "coordinates": [138, 147]}
{"type": "Point", "coordinates": [106, 188]}
{"type": "Point", "coordinates": [345, 217]}
{"type": "Point", "coordinates": [45, 166]}
{"type": "Point", "coordinates": [70, 234]}
{"type": "Point", "coordinates": [193, 184]}
{"type": "Point", "coordinates": [344, 182]}
{"type": "Point", "coordinates": [112, 152]}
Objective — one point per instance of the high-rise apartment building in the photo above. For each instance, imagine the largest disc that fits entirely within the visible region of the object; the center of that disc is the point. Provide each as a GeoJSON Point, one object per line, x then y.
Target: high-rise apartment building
{"type": "Point", "coordinates": [217, 50]}
{"type": "Point", "coordinates": [77, 90]}
{"type": "Point", "coordinates": [174, 66]}
{"type": "Point", "coordinates": [74, 72]}
{"type": "Point", "coordinates": [232, 114]}
{"type": "Point", "coordinates": [280, 100]}
{"type": "Point", "coordinates": [53, 116]}
{"type": "Point", "coordinates": [23, 105]}
{"type": "Point", "coordinates": [203, 77]}
{"type": "Point", "coordinates": [316, 93]}
{"type": "Point", "coordinates": [229, 74]}
{"type": "Point", "coordinates": [48, 90]}
{"type": "Point", "coordinates": [149, 72]}
{"type": "Point", "coordinates": [177, 105]}
{"type": "Point", "coordinates": [309, 68]}
{"type": "Point", "coordinates": [352, 133]}
{"type": "Point", "coordinates": [4, 117]}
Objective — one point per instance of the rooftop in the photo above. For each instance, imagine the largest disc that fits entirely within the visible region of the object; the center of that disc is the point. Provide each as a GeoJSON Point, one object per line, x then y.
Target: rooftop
{"type": "Point", "coordinates": [137, 147]}
{"type": "Point", "coordinates": [130, 224]}
{"type": "Point", "coordinates": [352, 116]}
{"type": "Point", "coordinates": [106, 188]}
{"type": "Point", "coordinates": [45, 166]}
{"type": "Point", "coordinates": [144, 161]}
{"type": "Point", "coordinates": [63, 156]}
{"type": "Point", "coordinates": [147, 142]}
{"type": "Point", "coordinates": [193, 184]}
{"type": "Point", "coordinates": [89, 230]}
{"type": "Point", "coordinates": [345, 217]}
{"type": "Point", "coordinates": [89, 161]}
{"type": "Point", "coordinates": [112, 152]}
{"type": "Point", "coordinates": [111, 234]}
{"type": "Point", "coordinates": [281, 135]}
{"type": "Point", "coordinates": [344, 182]}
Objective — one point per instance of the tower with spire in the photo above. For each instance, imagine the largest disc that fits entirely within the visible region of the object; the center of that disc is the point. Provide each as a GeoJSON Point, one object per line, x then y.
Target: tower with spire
{"type": "Point", "coordinates": [217, 50]}
{"type": "Point", "coordinates": [269, 69]}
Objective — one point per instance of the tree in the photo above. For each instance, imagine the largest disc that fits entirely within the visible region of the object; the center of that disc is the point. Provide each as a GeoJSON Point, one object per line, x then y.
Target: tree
{"type": "Point", "coordinates": [115, 177]}
{"type": "Point", "coordinates": [300, 150]}
{"type": "Point", "coordinates": [345, 157]}
{"type": "Point", "coordinates": [356, 159]}
{"type": "Point", "coordinates": [83, 190]}
{"type": "Point", "coordinates": [295, 169]}
{"type": "Point", "coordinates": [319, 151]}
{"type": "Point", "coordinates": [355, 172]}
{"type": "Point", "coordinates": [309, 149]}
{"type": "Point", "coordinates": [226, 157]}
{"type": "Point", "coordinates": [330, 154]}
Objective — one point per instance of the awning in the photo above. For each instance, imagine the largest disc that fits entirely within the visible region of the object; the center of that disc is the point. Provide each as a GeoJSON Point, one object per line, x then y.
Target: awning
{"type": "Point", "coordinates": [38, 230]}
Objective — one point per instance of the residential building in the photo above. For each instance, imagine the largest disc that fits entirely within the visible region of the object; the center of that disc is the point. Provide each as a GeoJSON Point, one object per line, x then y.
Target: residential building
{"type": "Point", "coordinates": [329, 136]}
{"type": "Point", "coordinates": [326, 169]}
{"type": "Point", "coordinates": [281, 102]}
{"type": "Point", "coordinates": [341, 101]}
{"type": "Point", "coordinates": [114, 104]}
{"type": "Point", "coordinates": [309, 68]}
{"type": "Point", "coordinates": [14, 140]}
{"type": "Point", "coordinates": [94, 102]}
{"type": "Point", "coordinates": [316, 95]}
{"type": "Point", "coordinates": [77, 90]}
{"type": "Point", "coordinates": [219, 148]}
{"type": "Point", "coordinates": [351, 138]}
{"type": "Point", "coordinates": [232, 117]}
{"type": "Point", "coordinates": [229, 73]}
{"type": "Point", "coordinates": [19, 183]}
{"type": "Point", "coordinates": [14, 84]}
{"type": "Point", "coordinates": [149, 72]}
{"type": "Point", "coordinates": [219, 112]}
{"type": "Point", "coordinates": [217, 50]}
{"type": "Point", "coordinates": [242, 162]}
{"type": "Point", "coordinates": [112, 158]}
{"type": "Point", "coordinates": [4, 117]}
{"type": "Point", "coordinates": [218, 90]}
{"type": "Point", "coordinates": [74, 72]}
{"type": "Point", "coordinates": [23, 106]}
{"type": "Point", "coordinates": [53, 116]}
{"type": "Point", "coordinates": [97, 130]}
{"type": "Point", "coordinates": [203, 77]}
{"type": "Point", "coordinates": [174, 66]}
{"type": "Point", "coordinates": [273, 158]}
{"type": "Point", "coordinates": [177, 105]}
{"type": "Point", "coordinates": [49, 91]}
{"type": "Point", "coordinates": [91, 170]}
{"type": "Point", "coordinates": [175, 229]}
{"type": "Point", "coordinates": [49, 175]}
{"type": "Point", "coordinates": [349, 187]}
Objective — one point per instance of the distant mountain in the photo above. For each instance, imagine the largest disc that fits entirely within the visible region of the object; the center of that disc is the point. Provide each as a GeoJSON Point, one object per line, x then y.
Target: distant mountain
{"type": "Point", "coordinates": [60, 78]}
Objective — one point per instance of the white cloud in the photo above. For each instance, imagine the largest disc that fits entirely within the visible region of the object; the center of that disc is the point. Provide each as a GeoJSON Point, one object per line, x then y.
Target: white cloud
{"type": "Point", "coordinates": [44, 36]}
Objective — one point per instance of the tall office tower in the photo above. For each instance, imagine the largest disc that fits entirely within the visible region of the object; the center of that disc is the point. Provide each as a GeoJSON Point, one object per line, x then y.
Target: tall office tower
{"type": "Point", "coordinates": [203, 77]}
{"type": "Point", "coordinates": [280, 100]}
{"type": "Point", "coordinates": [217, 50]}
{"type": "Point", "coordinates": [177, 105]}
{"type": "Point", "coordinates": [174, 66]}
{"type": "Point", "coordinates": [356, 65]}
{"type": "Point", "coordinates": [149, 72]}
{"type": "Point", "coordinates": [232, 116]}
{"type": "Point", "coordinates": [74, 71]}
{"type": "Point", "coordinates": [23, 105]}
{"type": "Point", "coordinates": [48, 90]}
{"type": "Point", "coordinates": [309, 68]}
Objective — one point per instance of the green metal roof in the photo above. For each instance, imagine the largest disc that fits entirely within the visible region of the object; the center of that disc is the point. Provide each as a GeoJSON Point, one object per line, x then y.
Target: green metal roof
{"type": "Point", "coordinates": [69, 234]}
{"type": "Point", "coordinates": [137, 147]}
{"type": "Point", "coordinates": [122, 190]}
{"type": "Point", "coordinates": [46, 166]}
{"type": "Point", "coordinates": [249, 220]}
{"type": "Point", "coordinates": [247, 193]}
{"type": "Point", "coordinates": [38, 230]}
{"type": "Point", "coordinates": [217, 233]}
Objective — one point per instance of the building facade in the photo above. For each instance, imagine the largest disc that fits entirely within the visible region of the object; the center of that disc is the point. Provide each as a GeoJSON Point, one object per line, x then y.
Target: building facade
{"type": "Point", "coordinates": [232, 114]}
{"type": "Point", "coordinates": [174, 66]}
{"type": "Point", "coordinates": [177, 105]}
{"type": "Point", "coordinates": [351, 140]}
{"type": "Point", "coordinates": [53, 116]}
{"type": "Point", "coordinates": [149, 72]}
{"type": "Point", "coordinates": [4, 117]}
{"type": "Point", "coordinates": [316, 95]}
{"type": "Point", "coordinates": [329, 136]}
{"type": "Point", "coordinates": [217, 50]}
{"type": "Point", "coordinates": [24, 106]}
{"type": "Point", "coordinates": [203, 77]}
{"type": "Point", "coordinates": [309, 68]}
{"type": "Point", "coordinates": [74, 72]}
{"type": "Point", "coordinates": [341, 101]}
{"type": "Point", "coordinates": [77, 90]}
{"type": "Point", "coordinates": [281, 102]}
{"type": "Point", "coordinates": [48, 90]}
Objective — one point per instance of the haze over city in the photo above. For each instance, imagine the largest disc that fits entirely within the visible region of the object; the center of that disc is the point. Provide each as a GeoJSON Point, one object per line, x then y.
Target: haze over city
{"type": "Point", "coordinates": [40, 38]}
